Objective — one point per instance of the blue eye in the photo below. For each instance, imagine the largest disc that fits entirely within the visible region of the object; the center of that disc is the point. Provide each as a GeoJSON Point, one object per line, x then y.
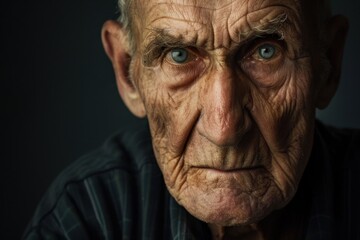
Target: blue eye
{"type": "Point", "coordinates": [179, 55]}
{"type": "Point", "coordinates": [266, 51]}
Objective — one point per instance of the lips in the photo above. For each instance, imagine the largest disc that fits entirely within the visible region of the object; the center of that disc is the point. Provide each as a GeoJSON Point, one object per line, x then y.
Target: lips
{"type": "Point", "coordinates": [251, 179]}
{"type": "Point", "coordinates": [229, 170]}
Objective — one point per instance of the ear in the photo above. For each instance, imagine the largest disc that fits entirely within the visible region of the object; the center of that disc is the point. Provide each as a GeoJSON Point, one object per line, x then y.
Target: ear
{"type": "Point", "coordinates": [335, 41]}
{"type": "Point", "coordinates": [116, 45]}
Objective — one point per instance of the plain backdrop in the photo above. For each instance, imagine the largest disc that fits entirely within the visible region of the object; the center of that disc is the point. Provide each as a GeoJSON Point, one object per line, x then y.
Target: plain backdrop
{"type": "Point", "coordinates": [59, 98]}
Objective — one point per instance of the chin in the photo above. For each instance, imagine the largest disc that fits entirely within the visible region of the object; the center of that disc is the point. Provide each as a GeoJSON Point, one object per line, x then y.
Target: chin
{"type": "Point", "coordinates": [230, 207]}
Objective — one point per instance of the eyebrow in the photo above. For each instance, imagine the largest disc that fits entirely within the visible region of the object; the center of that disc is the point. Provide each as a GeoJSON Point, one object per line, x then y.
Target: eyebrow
{"type": "Point", "coordinates": [273, 26]}
{"type": "Point", "coordinates": [161, 39]}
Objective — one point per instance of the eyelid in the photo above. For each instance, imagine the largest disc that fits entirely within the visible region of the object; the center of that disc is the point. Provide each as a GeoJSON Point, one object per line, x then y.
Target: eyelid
{"type": "Point", "coordinates": [252, 45]}
{"type": "Point", "coordinates": [183, 74]}
{"type": "Point", "coordinates": [193, 54]}
{"type": "Point", "coordinates": [156, 52]}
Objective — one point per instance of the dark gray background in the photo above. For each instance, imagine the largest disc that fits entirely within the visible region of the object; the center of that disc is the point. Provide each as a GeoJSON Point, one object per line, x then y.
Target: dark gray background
{"type": "Point", "coordinates": [59, 98]}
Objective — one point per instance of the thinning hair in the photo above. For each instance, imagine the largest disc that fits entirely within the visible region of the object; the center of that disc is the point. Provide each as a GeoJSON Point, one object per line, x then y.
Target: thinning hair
{"type": "Point", "coordinates": [124, 10]}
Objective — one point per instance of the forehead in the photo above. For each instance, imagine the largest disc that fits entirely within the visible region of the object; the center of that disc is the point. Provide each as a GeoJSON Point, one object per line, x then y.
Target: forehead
{"type": "Point", "coordinates": [212, 6]}
{"type": "Point", "coordinates": [219, 21]}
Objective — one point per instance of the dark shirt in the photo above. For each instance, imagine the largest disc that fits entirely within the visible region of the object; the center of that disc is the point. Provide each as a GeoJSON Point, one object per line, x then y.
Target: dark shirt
{"type": "Point", "coordinates": [118, 192]}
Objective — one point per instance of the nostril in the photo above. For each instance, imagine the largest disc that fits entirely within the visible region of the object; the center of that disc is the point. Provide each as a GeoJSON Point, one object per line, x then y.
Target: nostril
{"type": "Point", "coordinates": [224, 130]}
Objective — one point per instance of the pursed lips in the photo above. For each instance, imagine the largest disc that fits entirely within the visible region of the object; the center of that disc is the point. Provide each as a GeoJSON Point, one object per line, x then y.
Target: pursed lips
{"type": "Point", "coordinates": [228, 169]}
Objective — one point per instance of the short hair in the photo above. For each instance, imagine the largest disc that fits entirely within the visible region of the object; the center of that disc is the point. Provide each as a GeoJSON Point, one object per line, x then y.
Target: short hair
{"type": "Point", "coordinates": [125, 19]}
{"type": "Point", "coordinates": [124, 9]}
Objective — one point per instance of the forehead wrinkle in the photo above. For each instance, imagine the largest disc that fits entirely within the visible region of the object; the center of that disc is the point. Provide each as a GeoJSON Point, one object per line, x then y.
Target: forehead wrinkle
{"type": "Point", "coordinates": [166, 38]}
{"type": "Point", "coordinates": [278, 22]}
{"type": "Point", "coordinates": [187, 33]}
{"type": "Point", "coordinates": [196, 8]}
{"type": "Point", "coordinates": [223, 30]}
{"type": "Point", "coordinates": [268, 9]}
{"type": "Point", "coordinates": [173, 18]}
{"type": "Point", "coordinates": [201, 13]}
{"type": "Point", "coordinates": [195, 4]}
{"type": "Point", "coordinates": [164, 27]}
{"type": "Point", "coordinates": [187, 15]}
{"type": "Point", "coordinates": [274, 26]}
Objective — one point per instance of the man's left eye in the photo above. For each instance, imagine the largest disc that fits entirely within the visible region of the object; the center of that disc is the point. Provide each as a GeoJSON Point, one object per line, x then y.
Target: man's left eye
{"type": "Point", "coordinates": [263, 61]}
{"type": "Point", "coordinates": [266, 51]}
{"type": "Point", "coordinates": [179, 55]}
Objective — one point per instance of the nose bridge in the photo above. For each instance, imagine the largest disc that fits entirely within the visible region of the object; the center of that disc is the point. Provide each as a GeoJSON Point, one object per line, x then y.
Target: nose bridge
{"type": "Point", "coordinates": [222, 112]}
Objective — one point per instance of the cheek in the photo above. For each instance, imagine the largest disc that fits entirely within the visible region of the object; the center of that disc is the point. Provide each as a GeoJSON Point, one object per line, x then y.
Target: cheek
{"type": "Point", "coordinates": [284, 105]}
{"type": "Point", "coordinates": [285, 117]}
{"type": "Point", "coordinates": [171, 115]}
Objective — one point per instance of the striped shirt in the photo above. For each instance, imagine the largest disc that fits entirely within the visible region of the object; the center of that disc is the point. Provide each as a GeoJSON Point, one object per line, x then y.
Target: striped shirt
{"type": "Point", "coordinates": [118, 192]}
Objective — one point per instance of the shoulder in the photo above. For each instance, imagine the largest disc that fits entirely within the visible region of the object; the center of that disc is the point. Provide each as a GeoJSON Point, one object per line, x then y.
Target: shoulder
{"type": "Point", "coordinates": [99, 189]}
{"type": "Point", "coordinates": [343, 144]}
{"type": "Point", "coordinates": [343, 150]}
{"type": "Point", "coordinates": [126, 151]}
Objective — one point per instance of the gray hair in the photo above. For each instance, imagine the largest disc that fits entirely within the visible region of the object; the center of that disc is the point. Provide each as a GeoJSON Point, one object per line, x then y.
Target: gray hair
{"type": "Point", "coordinates": [124, 9]}
{"type": "Point", "coordinates": [125, 19]}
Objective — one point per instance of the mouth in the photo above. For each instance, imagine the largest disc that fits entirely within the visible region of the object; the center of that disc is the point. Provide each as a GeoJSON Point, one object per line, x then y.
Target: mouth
{"type": "Point", "coordinates": [243, 179]}
{"type": "Point", "coordinates": [226, 174]}
{"type": "Point", "coordinates": [229, 170]}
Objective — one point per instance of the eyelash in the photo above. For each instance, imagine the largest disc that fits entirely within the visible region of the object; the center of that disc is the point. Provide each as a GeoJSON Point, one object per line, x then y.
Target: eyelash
{"type": "Point", "coordinates": [252, 46]}
{"type": "Point", "coordinates": [193, 52]}
{"type": "Point", "coordinates": [247, 49]}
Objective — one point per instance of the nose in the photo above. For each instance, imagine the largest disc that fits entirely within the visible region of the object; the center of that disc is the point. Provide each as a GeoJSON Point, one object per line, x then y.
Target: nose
{"type": "Point", "coordinates": [222, 119]}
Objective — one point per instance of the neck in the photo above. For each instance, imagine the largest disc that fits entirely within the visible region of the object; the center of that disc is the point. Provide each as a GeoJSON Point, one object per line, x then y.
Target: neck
{"type": "Point", "coordinates": [264, 230]}
{"type": "Point", "coordinates": [286, 223]}
{"type": "Point", "coordinates": [250, 232]}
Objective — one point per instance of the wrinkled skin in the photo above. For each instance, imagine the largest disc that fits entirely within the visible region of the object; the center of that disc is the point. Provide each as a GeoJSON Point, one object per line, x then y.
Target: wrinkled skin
{"type": "Point", "coordinates": [232, 131]}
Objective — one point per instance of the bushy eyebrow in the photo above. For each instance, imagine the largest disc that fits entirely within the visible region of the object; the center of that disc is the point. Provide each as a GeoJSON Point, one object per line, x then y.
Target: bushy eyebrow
{"type": "Point", "coordinates": [160, 39]}
{"type": "Point", "coordinates": [273, 26]}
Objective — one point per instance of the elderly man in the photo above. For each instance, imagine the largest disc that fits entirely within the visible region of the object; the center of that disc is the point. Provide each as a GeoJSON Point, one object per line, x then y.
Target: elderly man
{"type": "Point", "coordinates": [233, 150]}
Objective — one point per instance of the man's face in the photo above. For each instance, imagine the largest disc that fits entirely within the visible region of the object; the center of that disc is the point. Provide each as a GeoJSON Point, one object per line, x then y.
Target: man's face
{"type": "Point", "coordinates": [227, 87]}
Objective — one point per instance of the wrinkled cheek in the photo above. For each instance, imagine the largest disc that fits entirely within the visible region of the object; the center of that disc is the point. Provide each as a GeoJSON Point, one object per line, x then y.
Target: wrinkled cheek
{"type": "Point", "coordinates": [272, 120]}
{"type": "Point", "coordinates": [157, 116]}
{"type": "Point", "coordinates": [156, 110]}
{"type": "Point", "coordinates": [174, 175]}
{"type": "Point", "coordinates": [284, 116]}
{"type": "Point", "coordinates": [280, 111]}
{"type": "Point", "coordinates": [160, 123]}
